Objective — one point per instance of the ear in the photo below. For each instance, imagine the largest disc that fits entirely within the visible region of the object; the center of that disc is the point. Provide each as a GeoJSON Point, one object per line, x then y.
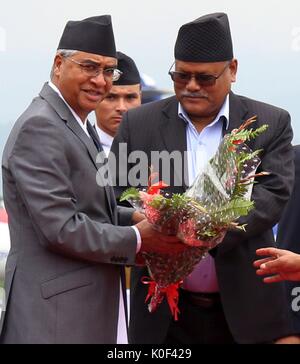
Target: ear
{"type": "Point", "coordinates": [57, 65]}
{"type": "Point", "coordinates": [233, 69]}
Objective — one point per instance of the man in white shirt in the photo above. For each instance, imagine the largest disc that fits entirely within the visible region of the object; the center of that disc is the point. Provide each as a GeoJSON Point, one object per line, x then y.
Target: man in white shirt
{"type": "Point", "coordinates": [125, 94]}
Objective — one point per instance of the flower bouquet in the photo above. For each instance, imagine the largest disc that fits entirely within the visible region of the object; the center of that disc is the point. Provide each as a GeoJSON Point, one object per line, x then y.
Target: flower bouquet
{"type": "Point", "coordinates": [201, 216]}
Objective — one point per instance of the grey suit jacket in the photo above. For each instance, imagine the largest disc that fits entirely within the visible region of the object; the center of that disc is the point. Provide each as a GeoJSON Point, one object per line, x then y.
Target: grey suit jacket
{"type": "Point", "coordinates": [63, 270]}
{"type": "Point", "coordinates": [255, 312]}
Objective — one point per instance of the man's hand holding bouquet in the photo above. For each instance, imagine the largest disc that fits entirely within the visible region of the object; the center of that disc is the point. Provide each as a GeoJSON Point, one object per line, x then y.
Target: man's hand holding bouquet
{"type": "Point", "coordinates": [200, 217]}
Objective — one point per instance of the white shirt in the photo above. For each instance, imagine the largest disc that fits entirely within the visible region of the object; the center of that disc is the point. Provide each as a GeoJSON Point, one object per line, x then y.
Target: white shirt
{"type": "Point", "coordinates": [106, 140]}
{"type": "Point", "coordinates": [200, 148]}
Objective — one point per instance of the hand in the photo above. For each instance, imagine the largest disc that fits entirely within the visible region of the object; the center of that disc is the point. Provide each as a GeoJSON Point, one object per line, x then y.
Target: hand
{"type": "Point", "coordinates": [279, 265]}
{"type": "Point", "coordinates": [288, 340]}
{"type": "Point", "coordinates": [137, 217]}
{"type": "Point", "coordinates": [154, 241]}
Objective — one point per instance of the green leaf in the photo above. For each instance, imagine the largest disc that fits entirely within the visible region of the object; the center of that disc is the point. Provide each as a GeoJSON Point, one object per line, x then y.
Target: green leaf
{"type": "Point", "coordinates": [130, 193]}
{"type": "Point", "coordinates": [246, 134]}
{"type": "Point", "coordinates": [158, 202]}
{"type": "Point", "coordinates": [235, 208]}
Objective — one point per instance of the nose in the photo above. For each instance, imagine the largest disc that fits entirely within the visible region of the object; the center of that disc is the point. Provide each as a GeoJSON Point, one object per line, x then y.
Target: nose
{"type": "Point", "coordinates": [193, 85]}
{"type": "Point", "coordinates": [99, 80]}
{"type": "Point", "coordinates": [121, 107]}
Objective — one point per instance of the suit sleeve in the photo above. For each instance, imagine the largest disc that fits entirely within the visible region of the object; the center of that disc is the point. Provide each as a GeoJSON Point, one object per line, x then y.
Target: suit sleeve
{"type": "Point", "coordinates": [288, 228]}
{"type": "Point", "coordinates": [41, 170]}
{"type": "Point", "coordinates": [125, 215]}
{"type": "Point", "coordinates": [271, 193]}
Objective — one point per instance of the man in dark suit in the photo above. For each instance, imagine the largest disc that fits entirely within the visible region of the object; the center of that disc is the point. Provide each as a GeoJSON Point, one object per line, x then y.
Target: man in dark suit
{"type": "Point", "coordinates": [222, 301]}
{"type": "Point", "coordinates": [288, 233]}
{"type": "Point", "coordinates": [69, 240]}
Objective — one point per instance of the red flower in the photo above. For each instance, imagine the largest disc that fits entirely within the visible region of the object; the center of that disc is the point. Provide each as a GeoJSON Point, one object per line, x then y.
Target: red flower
{"type": "Point", "coordinates": [237, 142]}
{"type": "Point", "coordinates": [152, 214]}
{"type": "Point", "coordinates": [187, 230]}
{"type": "Point", "coordinates": [156, 187]}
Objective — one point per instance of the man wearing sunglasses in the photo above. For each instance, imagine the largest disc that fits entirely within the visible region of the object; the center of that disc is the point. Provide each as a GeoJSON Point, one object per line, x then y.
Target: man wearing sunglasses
{"type": "Point", "coordinates": [69, 240]}
{"type": "Point", "coordinates": [222, 301]}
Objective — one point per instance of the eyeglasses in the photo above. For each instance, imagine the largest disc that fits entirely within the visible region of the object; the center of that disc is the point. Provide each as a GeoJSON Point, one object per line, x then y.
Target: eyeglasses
{"type": "Point", "coordinates": [202, 79]}
{"type": "Point", "coordinates": [93, 70]}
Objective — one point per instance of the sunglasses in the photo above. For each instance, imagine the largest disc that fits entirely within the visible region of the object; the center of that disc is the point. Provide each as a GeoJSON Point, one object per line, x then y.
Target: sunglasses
{"type": "Point", "coordinates": [202, 79]}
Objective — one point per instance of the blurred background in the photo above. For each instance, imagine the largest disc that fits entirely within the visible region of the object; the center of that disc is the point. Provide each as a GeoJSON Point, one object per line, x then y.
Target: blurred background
{"type": "Point", "coordinates": [266, 36]}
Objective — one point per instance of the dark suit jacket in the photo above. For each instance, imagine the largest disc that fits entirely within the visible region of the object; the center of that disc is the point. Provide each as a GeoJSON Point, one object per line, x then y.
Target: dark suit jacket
{"type": "Point", "coordinates": [255, 312]}
{"type": "Point", "coordinates": [288, 236]}
{"type": "Point", "coordinates": [63, 270]}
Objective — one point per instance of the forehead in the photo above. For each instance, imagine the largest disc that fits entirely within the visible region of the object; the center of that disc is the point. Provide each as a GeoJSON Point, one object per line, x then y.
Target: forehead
{"type": "Point", "coordinates": [83, 56]}
{"type": "Point", "coordinates": [123, 90]}
{"type": "Point", "coordinates": [213, 67]}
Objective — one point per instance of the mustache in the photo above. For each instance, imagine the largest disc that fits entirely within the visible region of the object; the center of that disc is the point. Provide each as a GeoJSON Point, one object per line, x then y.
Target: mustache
{"type": "Point", "coordinates": [194, 94]}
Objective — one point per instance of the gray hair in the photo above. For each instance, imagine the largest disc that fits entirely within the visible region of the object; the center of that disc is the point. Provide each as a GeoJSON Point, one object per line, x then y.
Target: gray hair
{"type": "Point", "coordinates": [66, 53]}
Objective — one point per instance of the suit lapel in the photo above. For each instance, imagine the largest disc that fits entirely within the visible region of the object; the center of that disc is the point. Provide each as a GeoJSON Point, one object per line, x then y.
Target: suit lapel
{"type": "Point", "coordinates": [238, 113]}
{"type": "Point", "coordinates": [65, 114]}
{"type": "Point", "coordinates": [173, 133]}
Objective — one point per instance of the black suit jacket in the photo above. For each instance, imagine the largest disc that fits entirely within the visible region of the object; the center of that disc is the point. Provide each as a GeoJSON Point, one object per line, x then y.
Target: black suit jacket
{"type": "Point", "coordinates": [288, 233]}
{"type": "Point", "coordinates": [255, 312]}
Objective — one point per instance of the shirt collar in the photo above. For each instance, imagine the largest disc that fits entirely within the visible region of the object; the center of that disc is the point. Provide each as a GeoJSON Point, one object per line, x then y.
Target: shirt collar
{"type": "Point", "coordinates": [224, 112]}
{"type": "Point", "coordinates": [105, 138]}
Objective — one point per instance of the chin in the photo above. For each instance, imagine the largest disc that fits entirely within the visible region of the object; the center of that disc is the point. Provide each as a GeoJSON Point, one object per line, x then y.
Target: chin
{"type": "Point", "coordinates": [89, 106]}
{"type": "Point", "coordinates": [196, 111]}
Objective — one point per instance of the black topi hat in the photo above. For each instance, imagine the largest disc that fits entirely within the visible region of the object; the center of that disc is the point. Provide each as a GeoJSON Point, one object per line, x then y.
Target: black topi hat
{"type": "Point", "coordinates": [92, 35]}
{"type": "Point", "coordinates": [130, 74]}
{"type": "Point", "coordinates": [206, 39]}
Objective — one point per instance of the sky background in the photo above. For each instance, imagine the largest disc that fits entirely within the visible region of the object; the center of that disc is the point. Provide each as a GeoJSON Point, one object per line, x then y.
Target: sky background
{"type": "Point", "coordinates": [266, 37]}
